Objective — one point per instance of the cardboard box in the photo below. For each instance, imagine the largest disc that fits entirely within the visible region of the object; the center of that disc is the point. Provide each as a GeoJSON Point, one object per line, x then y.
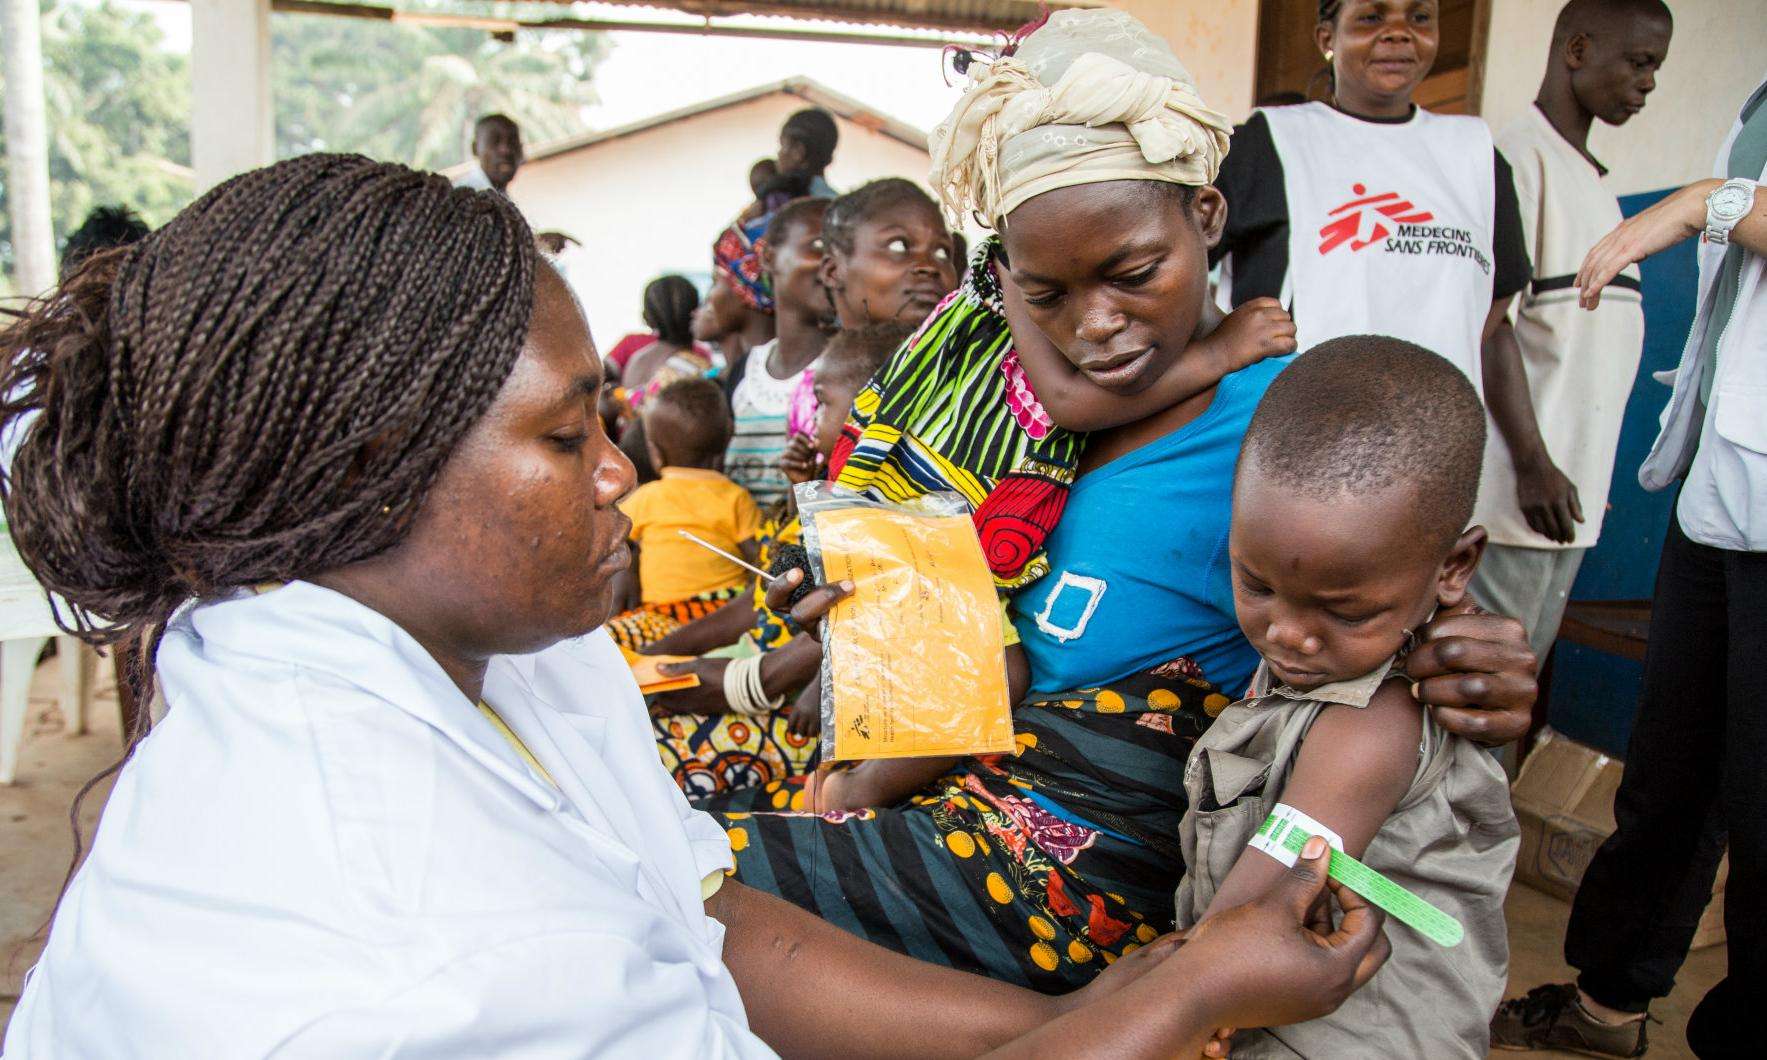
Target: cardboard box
{"type": "Point", "coordinates": [1564, 800]}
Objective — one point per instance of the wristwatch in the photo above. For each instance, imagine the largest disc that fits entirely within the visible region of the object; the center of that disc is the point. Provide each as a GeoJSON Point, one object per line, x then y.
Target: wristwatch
{"type": "Point", "coordinates": [1728, 204]}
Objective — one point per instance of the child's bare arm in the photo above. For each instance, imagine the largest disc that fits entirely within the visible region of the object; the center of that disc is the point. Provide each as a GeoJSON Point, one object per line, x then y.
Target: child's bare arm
{"type": "Point", "coordinates": [880, 782]}
{"type": "Point", "coordinates": [719, 629]}
{"type": "Point", "coordinates": [806, 710]}
{"type": "Point", "coordinates": [1354, 767]}
{"type": "Point", "coordinates": [1256, 330]}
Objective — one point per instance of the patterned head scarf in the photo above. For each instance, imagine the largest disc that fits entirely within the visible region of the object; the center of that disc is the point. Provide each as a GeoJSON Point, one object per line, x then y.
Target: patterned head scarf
{"type": "Point", "coordinates": [1090, 96]}
{"type": "Point", "coordinates": [736, 256]}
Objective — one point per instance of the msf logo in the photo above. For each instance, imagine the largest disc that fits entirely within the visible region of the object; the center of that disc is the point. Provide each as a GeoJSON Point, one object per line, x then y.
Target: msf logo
{"type": "Point", "coordinates": [1366, 219]}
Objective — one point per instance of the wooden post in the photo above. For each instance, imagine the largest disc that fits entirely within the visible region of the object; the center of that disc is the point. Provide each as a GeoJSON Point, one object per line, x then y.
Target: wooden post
{"type": "Point", "coordinates": [232, 125]}
{"type": "Point", "coordinates": [27, 149]}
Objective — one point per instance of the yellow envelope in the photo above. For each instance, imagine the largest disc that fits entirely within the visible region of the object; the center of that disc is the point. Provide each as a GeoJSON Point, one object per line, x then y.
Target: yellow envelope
{"type": "Point", "coordinates": [915, 655]}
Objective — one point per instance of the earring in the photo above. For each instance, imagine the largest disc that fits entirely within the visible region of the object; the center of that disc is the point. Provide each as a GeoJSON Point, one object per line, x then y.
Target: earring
{"type": "Point", "coordinates": [1328, 54]}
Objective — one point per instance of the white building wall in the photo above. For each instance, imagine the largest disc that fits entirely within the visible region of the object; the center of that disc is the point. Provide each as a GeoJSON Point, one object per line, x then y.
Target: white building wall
{"type": "Point", "coordinates": [652, 202]}
{"type": "Point", "coordinates": [1717, 57]}
{"type": "Point", "coordinates": [1217, 40]}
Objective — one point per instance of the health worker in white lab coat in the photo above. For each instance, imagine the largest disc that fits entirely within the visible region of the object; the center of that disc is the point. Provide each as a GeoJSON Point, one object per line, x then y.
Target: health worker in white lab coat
{"type": "Point", "coordinates": [332, 432]}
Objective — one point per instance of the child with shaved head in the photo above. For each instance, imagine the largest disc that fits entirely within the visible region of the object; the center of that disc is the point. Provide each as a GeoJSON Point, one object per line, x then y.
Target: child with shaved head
{"type": "Point", "coordinates": [1351, 501]}
{"type": "Point", "coordinates": [687, 426]}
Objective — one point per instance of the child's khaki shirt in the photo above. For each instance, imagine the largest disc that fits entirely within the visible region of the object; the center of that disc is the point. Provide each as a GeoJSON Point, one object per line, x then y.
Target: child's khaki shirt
{"type": "Point", "coordinates": [1452, 841]}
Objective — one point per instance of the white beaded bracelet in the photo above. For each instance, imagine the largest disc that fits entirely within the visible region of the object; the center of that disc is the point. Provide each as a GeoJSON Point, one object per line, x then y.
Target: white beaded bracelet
{"type": "Point", "coordinates": [743, 689]}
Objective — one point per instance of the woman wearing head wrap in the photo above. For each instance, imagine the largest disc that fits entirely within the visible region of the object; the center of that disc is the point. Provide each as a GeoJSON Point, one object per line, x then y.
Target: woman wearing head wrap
{"type": "Point", "coordinates": [1090, 152]}
{"type": "Point", "coordinates": [737, 314]}
{"type": "Point", "coordinates": [736, 258]}
{"type": "Point", "coordinates": [1003, 875]}
{"type": "Point", "coordinates": [791, 255]}
{"type": "Point", "coordinates": [990, 411]}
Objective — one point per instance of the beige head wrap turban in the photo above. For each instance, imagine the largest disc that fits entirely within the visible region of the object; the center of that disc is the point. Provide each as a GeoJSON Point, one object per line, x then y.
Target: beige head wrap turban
{"type": "Point", "coordinates": [1090, 96]}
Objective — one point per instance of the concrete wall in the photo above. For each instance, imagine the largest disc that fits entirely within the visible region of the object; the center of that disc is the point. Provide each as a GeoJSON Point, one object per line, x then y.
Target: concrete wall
{"type": "Point", "coordinates": [1216, 39]}
{"type": "Point", "coordinates": [652, 202]}
{"type": "Point", "coordinates": [1718, 56]}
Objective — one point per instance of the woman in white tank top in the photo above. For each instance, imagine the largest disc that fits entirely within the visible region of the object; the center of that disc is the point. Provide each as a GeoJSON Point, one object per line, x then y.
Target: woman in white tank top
{"type": "Point", "coordinates": [1386, 218]}
{"type": "Point", "coordinates": [1367, 214]}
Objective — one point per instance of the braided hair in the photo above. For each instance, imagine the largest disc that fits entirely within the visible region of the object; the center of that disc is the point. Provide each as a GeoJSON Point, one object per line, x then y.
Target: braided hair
{"type": "Point", "coordinates": [848, 212]}
{"type": "Point", "coordinates": [669, 302]}
{"type": "Point", "coordinates": [264, 389]}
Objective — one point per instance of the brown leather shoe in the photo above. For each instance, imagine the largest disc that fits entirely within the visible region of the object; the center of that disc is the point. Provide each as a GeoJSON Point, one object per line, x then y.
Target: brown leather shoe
{"type": "Point", "coordinates": [1550, 1017]}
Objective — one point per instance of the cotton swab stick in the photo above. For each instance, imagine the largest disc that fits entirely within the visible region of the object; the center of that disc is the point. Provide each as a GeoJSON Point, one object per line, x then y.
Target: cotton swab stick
{"type": "Point", "coordinates": [738, 560]}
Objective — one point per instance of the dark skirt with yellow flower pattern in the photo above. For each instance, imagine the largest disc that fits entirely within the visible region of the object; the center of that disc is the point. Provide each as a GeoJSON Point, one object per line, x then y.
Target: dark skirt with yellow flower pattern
{"type": "Point", "coordinates": [1038, 868]}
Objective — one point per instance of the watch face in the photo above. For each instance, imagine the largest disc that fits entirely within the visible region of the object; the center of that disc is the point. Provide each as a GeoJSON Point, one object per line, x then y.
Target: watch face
{"type": "Point", "coordinates": [1729, 203]}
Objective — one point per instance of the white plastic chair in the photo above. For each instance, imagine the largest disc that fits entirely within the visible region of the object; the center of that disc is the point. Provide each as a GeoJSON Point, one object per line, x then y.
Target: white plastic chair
{"type": "Point", "coordinates": [26, 624]}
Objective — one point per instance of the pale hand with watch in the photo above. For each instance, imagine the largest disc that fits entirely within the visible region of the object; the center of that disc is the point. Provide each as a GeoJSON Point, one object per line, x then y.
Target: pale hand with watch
{"type": "Point", "coordinates": [1728, 204]}
{"type": "Point", "coordinates": [1710, 209]}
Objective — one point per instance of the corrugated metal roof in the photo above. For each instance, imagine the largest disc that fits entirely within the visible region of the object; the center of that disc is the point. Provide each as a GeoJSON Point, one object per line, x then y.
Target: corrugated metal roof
{"type": "Point", "coordinates": [984, 15]}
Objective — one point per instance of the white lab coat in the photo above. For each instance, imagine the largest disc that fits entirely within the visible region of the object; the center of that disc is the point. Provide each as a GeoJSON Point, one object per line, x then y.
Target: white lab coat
{"type": "Point", "coordinates": [1720, 448]}
{"type": "Point", "coordinates": [325, 850]}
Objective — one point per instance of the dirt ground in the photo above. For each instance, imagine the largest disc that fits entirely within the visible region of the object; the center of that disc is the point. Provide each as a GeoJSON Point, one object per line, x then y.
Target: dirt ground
{"type": "Point", "coordinates": [35, 843]}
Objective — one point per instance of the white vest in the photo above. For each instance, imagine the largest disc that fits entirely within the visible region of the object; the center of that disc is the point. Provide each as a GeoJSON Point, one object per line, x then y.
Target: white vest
{"type": "Point", "coordinates": [1390, 227]}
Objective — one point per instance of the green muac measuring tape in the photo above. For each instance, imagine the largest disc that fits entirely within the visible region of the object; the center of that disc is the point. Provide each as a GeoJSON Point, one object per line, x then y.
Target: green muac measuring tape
{"type": "Point", "coordinates": [1286, 831]}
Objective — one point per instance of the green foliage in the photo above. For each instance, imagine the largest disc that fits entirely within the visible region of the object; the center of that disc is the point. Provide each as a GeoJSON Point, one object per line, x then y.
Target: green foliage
{"type": "Point", "coordinates": [118, 116]}
{"type": "Point", "coordinates": [411, 94]}
{"type": "Point", "coordinates": [119, 101]}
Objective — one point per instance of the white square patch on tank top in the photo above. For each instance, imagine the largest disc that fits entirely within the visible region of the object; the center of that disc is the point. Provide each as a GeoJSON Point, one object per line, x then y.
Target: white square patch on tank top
{"type": "Point", "coordinates": [1070, 606]}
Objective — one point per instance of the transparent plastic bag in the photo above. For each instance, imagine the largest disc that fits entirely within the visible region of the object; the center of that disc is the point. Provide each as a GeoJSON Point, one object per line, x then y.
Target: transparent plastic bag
{"type": "Point", "coordinates": [913, 663]}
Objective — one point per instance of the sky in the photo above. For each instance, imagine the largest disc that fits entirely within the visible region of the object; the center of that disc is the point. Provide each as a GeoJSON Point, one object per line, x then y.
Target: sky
{"type": "Point", "coordinates": [651, 73]}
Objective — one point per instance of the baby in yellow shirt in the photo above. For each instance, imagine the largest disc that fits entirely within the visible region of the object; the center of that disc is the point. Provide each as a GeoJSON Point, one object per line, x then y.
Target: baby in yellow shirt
{"type": "Point", "coordinates": [686, 428]}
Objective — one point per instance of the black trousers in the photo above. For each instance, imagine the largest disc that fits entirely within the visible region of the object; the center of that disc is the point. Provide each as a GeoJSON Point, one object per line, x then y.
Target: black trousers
{"type": "Point", "coordinates": [1696, 774]}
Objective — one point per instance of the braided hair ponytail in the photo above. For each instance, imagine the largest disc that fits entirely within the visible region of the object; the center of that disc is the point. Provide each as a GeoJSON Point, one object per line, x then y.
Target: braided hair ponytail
{"type": "Point", "coordinates": [669, 302]}
{"type": "Point", "coordinates": [262, 390]}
